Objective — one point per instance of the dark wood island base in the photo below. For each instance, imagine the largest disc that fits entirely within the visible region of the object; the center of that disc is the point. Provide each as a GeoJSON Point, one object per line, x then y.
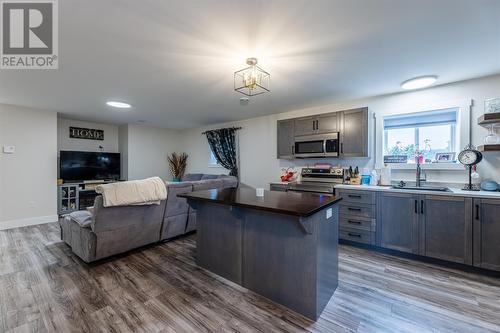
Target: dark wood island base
{"type": "Point", "coordinates": [282, 246]}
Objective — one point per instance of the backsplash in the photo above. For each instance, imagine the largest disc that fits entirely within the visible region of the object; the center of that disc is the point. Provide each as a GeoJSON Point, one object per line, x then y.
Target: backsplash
{"type": "Point", "coordinates": [458, 176]}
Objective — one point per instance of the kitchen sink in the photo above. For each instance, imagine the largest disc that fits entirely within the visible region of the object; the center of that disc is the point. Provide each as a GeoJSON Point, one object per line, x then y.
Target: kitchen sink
{"type": "Point", "coordinates": [422, 188]}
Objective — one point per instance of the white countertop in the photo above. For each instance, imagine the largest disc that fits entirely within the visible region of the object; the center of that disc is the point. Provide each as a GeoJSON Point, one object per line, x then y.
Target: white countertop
{"type": "Point", "coordinates": [454, 191]}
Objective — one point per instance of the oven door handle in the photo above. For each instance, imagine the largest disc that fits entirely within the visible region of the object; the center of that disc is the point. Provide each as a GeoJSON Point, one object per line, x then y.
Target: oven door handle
{"type": "Point", "coordinates": [312, 191]}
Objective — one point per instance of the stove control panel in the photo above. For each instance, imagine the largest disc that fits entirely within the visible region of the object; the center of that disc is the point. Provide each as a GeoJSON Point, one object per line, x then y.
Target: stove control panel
{"type": "Point", "coordinates": [323, 173]}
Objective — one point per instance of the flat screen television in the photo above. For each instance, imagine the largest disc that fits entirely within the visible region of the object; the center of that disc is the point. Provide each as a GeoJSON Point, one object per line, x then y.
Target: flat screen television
{"type": "Point", "coordinates": [82, 165]}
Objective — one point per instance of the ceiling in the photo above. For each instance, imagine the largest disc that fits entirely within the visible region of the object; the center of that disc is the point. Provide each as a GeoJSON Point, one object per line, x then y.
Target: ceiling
{"type": "Point", "coordinates": [174, 60]}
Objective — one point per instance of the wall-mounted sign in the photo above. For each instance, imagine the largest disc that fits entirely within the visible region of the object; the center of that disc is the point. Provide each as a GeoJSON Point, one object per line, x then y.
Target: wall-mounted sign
{"type": "Point", "coordinates": [395, 158]}
{"type": "Point", "coordinates": [86, 133]}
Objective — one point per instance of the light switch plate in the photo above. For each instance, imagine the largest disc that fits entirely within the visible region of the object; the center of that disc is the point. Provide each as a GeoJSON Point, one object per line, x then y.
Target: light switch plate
{"type": "Point", "coordinates": [329, 213]}
{"type": "Point", "coordinates": [9, 149]}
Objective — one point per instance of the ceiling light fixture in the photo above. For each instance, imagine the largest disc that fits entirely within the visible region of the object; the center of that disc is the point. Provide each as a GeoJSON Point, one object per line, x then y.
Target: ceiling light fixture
{"type": "Point", "coordinates": [419, 82]}
{"type": "Point", "coordinates": [119, 105]}
{"type": "Point", "coordinates": [252, 80]}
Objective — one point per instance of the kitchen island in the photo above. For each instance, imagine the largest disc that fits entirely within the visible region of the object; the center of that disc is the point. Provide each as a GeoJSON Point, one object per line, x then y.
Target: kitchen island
{"type": "Point", "coordinates": [282, 246]}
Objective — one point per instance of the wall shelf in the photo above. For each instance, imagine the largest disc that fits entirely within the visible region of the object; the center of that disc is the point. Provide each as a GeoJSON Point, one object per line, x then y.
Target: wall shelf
{"type": "Point", "coordinates": [488, 148]}
{"type": "Point", "coordinates": [489, 118]}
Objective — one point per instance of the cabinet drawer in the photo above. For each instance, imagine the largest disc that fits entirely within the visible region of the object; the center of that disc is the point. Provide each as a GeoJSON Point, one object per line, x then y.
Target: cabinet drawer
{"type": "Point", "coordinates": [363, 197]}
{"type": "Point", "coordinates": [357, 222]}
{"type": "Point", "coordinates": [351, 210]}
{"type": "Point", "coordinates": [359, 236]}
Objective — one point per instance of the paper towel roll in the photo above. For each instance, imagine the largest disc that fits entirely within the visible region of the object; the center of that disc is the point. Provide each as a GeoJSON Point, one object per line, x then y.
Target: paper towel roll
{"type": "Point", "coordinates": [385, 176]}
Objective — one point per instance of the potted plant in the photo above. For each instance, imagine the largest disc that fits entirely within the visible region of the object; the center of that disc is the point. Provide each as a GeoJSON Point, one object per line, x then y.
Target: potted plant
{"type": "Point", "coordinates": [177, 163]}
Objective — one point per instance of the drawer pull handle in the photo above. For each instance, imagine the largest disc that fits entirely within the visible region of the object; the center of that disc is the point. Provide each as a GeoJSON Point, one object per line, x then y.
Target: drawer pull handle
{"type": "Point", "coordinates": [354, 235]}
{"type": "Point", "coordinates": [355, 209]}
{"type": "Point", "coordinates": [354, 196]}
{"type": "Point", "coordinates": [353, 222]}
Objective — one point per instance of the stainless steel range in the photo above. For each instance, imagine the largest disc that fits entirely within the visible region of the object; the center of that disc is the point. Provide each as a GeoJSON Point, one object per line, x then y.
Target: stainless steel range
{"type": "Point", "coordinates": [321, 180]}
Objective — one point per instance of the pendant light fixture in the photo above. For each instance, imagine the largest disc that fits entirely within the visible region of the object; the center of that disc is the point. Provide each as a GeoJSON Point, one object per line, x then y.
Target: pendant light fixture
{"type": "Point", "coordinates": [252, 80]}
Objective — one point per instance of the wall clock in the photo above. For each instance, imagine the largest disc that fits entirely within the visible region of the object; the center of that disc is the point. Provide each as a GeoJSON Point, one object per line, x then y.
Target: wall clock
{"type": "Point", "coordinates": [470, 157]}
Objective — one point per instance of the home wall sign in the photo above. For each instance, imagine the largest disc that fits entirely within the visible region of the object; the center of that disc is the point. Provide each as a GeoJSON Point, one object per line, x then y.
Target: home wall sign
{"type": "Point", "coordinates": [86, 133]}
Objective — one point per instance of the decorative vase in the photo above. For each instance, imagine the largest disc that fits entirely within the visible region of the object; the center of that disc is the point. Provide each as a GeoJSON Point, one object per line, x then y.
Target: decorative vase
{"type": "Point", "coordinates": [176, 179]}
{"type": "Point", "coordinates": [492, 138]}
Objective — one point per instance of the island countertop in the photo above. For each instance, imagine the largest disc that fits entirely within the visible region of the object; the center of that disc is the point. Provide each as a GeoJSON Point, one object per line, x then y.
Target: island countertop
{"type": "Point", "coordinates": [289, 203]}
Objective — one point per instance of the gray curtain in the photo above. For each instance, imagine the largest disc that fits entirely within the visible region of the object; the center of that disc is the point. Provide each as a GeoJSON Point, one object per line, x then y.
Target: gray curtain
{"type": "Point", "coordinates": [223, 145]}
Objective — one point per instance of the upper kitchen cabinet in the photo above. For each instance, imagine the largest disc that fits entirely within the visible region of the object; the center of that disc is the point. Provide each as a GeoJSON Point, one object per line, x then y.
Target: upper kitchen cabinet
{"type": "Point", "coordinates": [352, 126]}
{"type": "Point", "coordinates": [285, 138]}
{"type": "Point", "coordinates": [305, 126]}
{"type": "Point", "coordinates": [354, 133]}
{"type": "Point", "coordinates": [321, 124]}
{"type": "Point", "coordinates": [328, 123]}
{"type": "Point", "coordinates": [486, 226]}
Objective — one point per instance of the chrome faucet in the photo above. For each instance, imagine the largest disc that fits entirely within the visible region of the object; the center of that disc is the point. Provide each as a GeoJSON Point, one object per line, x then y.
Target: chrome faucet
{"type": "Point", "coordinates": [419, 179]}
{"type": "Point", "coordinates": [419, 170]}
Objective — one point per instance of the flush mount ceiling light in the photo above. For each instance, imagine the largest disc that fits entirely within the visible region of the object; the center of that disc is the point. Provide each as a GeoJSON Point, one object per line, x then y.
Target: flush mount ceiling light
{"type": "Point", "coordinates": [119, 105]}
{"type": "Point", "coordinates": [252, 80]}
{"type": "Point", "coordinates": [419, 82]}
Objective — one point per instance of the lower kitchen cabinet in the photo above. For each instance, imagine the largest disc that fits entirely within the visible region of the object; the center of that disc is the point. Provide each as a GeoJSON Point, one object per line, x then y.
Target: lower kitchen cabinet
{"type": "Point", "coordinates": [398, 217]}
{"type": "Point", "coordinates": [357, 216]}
{"type": "Point", "coordinates": [357, 235]}
{"type": "Point", "coordinates": [446, 228]}
{"type": "Point", "coordinates": [452, 228]}
{"type": "Point", "coordinates": [486, 226]}
{"type": "Point", "coordinates": [434, 226]}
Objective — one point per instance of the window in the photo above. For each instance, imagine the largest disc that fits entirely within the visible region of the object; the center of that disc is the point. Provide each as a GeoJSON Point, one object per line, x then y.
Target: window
{"type": "Point", "coordinates": [429, 132]}
{"type": "Point", "coordinates": [212, 161]}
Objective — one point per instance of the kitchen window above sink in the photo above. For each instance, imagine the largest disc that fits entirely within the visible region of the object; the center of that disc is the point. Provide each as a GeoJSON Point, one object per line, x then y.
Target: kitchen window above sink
{"type": "Point", "coordinates": [433, 134]}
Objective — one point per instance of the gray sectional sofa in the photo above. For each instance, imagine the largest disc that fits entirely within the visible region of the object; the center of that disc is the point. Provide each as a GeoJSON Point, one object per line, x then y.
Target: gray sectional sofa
{"type": "Point", "coordinates": [115, 230]}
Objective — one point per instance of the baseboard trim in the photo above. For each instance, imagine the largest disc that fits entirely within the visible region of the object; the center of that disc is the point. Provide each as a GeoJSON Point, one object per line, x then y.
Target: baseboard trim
{"type": "Point", "coordinates": [4, 225]}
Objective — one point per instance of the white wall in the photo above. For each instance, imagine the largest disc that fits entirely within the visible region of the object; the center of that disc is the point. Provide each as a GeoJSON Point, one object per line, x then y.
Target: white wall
{"type": "Point", "coordinates": [148, 148]}
{"type": "Point", "coordinates": [64, 142]}
{"type": "Point", "coordinates": [259, 164]}
{"type": "Point", "coordinates": [123, 149]}
{"type": "Point", "coordinates": [28, 190]}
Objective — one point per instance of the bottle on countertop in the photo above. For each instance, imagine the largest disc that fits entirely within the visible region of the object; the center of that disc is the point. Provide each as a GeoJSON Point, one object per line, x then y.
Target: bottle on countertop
{"type": "Point", "coordinates": [475, 176]}
{"type": "Point", "coordinates": [365, 176]}
{"type": "Point", "coordinates": [374, 180]}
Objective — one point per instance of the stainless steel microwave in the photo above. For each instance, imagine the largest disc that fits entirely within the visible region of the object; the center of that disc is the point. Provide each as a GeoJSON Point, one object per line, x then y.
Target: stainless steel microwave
{"type": "Point", "coordinates": [319, 145]}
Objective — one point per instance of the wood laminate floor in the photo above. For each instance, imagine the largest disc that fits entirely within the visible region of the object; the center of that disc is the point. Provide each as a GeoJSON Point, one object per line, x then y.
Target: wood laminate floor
{"type": "Point", "coordinates": [45, 288]}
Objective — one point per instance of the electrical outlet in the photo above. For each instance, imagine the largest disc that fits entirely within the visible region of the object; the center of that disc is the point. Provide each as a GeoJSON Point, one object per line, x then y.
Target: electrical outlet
{"type": "Point", "coordinates": [329, 213]}
{"type": "Point", "coordinates": [31, 204]}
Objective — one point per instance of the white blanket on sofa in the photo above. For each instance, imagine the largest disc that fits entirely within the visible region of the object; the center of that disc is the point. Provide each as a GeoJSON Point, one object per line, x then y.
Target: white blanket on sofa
{"type": "Point", "coordinates": [135, 192]}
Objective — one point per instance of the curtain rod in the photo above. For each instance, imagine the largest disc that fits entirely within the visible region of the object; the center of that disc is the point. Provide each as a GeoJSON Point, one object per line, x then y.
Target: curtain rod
{"type": "Point", "coordinates": [235, 128]}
